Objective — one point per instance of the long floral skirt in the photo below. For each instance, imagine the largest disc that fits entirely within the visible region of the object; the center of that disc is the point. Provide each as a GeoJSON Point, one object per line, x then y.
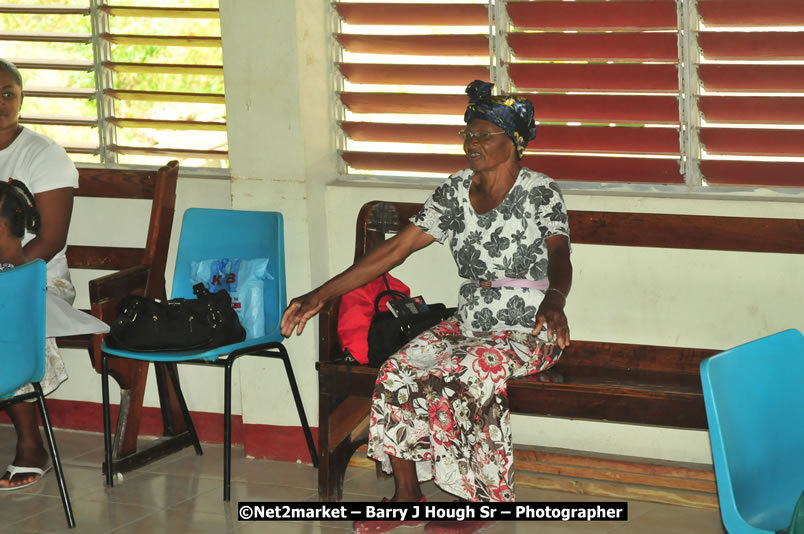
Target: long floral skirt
{"type": "Point", "coordinates": [441, 401]}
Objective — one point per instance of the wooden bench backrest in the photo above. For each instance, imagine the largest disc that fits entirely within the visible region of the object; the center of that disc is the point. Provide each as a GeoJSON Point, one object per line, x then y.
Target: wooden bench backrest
{"type": "Point", "coordinates": [379, 220]}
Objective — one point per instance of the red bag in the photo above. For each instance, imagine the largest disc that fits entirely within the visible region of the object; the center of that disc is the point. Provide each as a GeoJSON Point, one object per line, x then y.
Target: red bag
{"type": "Point", "coordinates": [356, 311]}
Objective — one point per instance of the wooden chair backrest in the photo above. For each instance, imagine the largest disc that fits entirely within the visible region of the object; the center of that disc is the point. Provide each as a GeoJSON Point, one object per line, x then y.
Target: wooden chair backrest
{"type": "Point", "coordinates": [159, 186]}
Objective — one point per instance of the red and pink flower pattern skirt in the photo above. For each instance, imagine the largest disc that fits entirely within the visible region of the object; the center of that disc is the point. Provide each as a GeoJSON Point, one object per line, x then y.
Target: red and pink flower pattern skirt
{"type": "Point", "coordinates": [441, 401]}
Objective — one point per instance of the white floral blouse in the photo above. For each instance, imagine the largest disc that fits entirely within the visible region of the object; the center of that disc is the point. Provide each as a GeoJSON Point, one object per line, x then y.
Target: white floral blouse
{"type": "Point", "coordinates": [505, 242]}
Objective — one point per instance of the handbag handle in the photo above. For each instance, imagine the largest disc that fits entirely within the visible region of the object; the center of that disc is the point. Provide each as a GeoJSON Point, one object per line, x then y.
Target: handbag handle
{"type": "Point", "coordinates": [387, 293]}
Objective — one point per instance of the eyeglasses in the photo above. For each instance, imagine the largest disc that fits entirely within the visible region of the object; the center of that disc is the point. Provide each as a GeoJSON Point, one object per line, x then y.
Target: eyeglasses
{"type": "Point", "coordinates": [468, 135]}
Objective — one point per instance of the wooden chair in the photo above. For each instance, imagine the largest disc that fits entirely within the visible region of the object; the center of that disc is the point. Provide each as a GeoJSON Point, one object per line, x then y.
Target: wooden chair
{"type": "Point", "coordinates": [138, 271]}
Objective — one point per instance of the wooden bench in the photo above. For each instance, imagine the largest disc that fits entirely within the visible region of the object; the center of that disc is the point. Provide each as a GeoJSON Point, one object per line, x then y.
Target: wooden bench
{"type": "Point", "coordinates": [137, 271]}
{"type": "Point", "coordinates": [628, 383]}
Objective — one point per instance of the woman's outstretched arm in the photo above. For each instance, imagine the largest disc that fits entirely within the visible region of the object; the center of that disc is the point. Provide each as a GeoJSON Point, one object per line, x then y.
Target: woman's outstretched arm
{"type": "Point", "coordinates": [379, 260]}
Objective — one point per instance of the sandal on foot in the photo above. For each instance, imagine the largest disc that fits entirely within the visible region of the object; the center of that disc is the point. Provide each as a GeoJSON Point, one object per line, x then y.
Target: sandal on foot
{"type": "Point", "coordinates": [457, 527]}
{"type": "Point", "coordinates": [375, 526]}
{"type": "Point", "coordinates": [14, 470]}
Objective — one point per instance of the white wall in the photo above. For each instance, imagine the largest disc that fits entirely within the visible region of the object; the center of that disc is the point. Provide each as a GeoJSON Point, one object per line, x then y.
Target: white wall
{"type": "Point", "coordinates": [281, 154]}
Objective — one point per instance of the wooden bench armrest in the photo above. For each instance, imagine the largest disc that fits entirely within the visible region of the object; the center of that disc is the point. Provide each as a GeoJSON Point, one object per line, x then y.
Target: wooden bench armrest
{"type": "Point", "coordinates": [108, 289]}
{"type": "Point", "coordinates": [328, 346]}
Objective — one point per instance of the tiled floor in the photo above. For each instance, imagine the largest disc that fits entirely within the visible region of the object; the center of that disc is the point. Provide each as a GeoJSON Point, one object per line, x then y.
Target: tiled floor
{"type": "Point", "coordinates": [183, 494]}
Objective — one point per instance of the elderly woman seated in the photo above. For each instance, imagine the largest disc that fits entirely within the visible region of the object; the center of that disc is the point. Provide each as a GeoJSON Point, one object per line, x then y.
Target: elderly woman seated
{"type": "Point", "coordinates": [440, 409]}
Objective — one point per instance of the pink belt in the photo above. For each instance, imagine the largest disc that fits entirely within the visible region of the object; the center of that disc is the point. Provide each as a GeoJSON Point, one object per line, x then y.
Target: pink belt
{"type": "Point", "coordinates": [542, 284]}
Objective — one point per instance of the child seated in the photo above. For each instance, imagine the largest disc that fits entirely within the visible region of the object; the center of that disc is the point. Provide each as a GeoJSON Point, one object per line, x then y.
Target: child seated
{"type": "Point", "coordinates": [18, 214]}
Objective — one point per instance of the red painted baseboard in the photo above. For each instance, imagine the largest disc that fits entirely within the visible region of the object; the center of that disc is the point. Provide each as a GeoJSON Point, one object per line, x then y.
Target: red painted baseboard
{"type": "Point", "coordinates": [271, 442]}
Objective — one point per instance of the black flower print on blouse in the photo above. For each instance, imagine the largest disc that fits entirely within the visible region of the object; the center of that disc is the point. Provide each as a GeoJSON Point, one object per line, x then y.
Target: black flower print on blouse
{"type": "Point", "coordinates": [470, 265]}
{"type": "Point", "coordinates": [496, 243]}
{"type": "Point", "coordinates": [505, 242]}
{"type": "Point", "coordinates": [540, 196]}
{"type": "Point", "coordinates": [484, 321]}
{"type": "Point", "coordinates": [539, 269]}
{"type": "Point", "coordinates": [489, 294]}
{"type": "Point", "coordinates": [451, 222]}
{"type": "Point", "coordinates": [558, 214]}
{"type": "Point", "coordinates": [517, 313]}
{"type": "Point", "coordinates": [487, 219]}
{"type": "Point", "coordinates": [518, 265]}
{"type": "Point", "coordinates": [474, 238]}
{"type": "Point", "coordinates": [515, 204]}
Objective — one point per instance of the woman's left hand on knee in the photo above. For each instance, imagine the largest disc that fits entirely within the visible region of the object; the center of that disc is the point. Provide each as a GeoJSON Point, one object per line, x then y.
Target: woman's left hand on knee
{"type": "Point", "coordinates": [551, 313]}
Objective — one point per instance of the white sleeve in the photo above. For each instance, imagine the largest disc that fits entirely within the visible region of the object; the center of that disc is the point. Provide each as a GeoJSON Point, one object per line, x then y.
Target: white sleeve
{"type": "Point", "coordinates": [50, 169]}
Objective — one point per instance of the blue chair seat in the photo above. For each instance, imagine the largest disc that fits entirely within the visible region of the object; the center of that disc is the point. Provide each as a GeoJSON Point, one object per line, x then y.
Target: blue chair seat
{"type": "Point", "coordinates": [210, 234]}
{"type": "Point", "coordinates": [209, 355]}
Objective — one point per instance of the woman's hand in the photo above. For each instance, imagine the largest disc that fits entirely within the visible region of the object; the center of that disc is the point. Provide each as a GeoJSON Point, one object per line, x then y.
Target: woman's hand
{"type": "Point", "coordinates": [299, 311]}
{"type": "Point", "coordinates": [551, 312]}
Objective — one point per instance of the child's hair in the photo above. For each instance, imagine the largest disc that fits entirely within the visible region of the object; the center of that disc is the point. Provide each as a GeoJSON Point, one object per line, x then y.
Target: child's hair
{"type": "Point", "coordinates": [18, 207]}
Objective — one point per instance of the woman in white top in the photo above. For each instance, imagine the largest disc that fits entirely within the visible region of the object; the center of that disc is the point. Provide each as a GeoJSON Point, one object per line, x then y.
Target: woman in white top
{"type": "Point", "coordinates": [44, 167]}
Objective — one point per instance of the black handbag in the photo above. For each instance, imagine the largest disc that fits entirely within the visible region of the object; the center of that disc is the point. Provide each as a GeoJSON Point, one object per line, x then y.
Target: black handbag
{"type": "Point", "coordinates": [148, 325]}
{"type": "Point", "coordinates": [387, 333]}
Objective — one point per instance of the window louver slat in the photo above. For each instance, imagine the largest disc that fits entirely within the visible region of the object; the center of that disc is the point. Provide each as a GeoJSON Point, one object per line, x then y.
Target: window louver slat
{"type": "Point", "coordinates": [362, 73]}
{"type": "Point", "coordinates": [752, 78]}
{"type": "Point", "coordinates": [753, 173]}
{"type": "Point", "coordinates": [746, 46]}
{"type": "Point", "coordinates": [594, 77]}
{"type": "Point", "coordinates": [752, 109]}
{"type": "Point", "coordinates": [413, 14]}
{"type": "Point", "coordinates": [424, 45]}
{"type": "Point", "coordinates": [595, 46]}
{"type": "Point", "coordinates": [558, 15]}
{"type": "Point", "coordinates": [747, 13]}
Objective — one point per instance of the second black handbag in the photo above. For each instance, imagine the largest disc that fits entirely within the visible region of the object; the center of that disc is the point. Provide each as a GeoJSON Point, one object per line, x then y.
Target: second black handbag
{"type": "Point", "coordinates": [148, 325]}
{"type": "Point", "coordinates": [387, 333]}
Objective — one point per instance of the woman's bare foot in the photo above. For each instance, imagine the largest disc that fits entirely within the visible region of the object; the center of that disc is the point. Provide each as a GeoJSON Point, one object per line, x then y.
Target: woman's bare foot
{"type": "Point", "coordinates": [31, 451]}
{"type": "Point", "coordinates": [36, 457]}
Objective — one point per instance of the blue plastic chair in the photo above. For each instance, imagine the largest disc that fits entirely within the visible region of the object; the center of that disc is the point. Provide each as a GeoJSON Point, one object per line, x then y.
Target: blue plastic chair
{"type": "Point", "coordinates": [754, 396]}
{"type": "Point", "coordinates": [22, 348]}
{"type": "Point", "coordinates": [213, 234]}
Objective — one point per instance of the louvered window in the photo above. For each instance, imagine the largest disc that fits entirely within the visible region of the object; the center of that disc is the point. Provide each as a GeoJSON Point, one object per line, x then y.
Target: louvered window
{"type": "Point", "coordinates": [129, 82]}
{"type": "Point", "coordinates": [623, 90]}
{"type": "Point", "coordinates": [752, 97]}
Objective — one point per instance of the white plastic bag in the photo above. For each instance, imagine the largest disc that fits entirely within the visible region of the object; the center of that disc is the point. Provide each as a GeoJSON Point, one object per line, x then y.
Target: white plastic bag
{"type": "Point", "coordinates": [243, 280]}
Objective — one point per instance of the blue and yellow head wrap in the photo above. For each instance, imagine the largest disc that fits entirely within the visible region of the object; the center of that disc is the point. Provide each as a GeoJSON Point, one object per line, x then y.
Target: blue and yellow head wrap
{"type": "Point", "coordinates": [514, 114]}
